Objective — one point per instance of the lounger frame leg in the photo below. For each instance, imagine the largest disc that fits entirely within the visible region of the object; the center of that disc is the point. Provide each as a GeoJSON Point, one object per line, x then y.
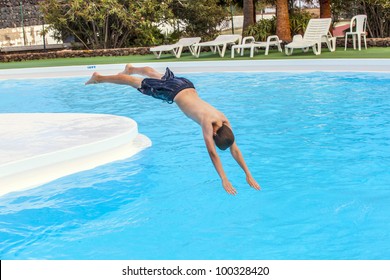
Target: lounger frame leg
{"type": "Point", "coordinates": [179, 51]}
{"type": "Point", "coordinates": [237, 48]}
{"type": "Point", "coordinates": [157, 54]}
{"type": "Point", "coordinates": [233, 50]}
{"type": "Point", "coordinates": [279, 46]}
{"type": "Point", "coordinates": [192, 50]}
{"type": "Point", "coordinates": [314, 47]}
{"type": "Point", "coordinates": [222, 53]}
{"type": "Point", "coordinates": [317, 49]}
{"type": "Point", "coordinates": [333, 44]}
{"type": "Point", "coordinates": [289, 51]}
{"type": "Point", "coordinates": [272, 40]}
{"type": "Point", "coordinates": [197, 51]}
{"type": "Point", "coordinates": [252, 50]}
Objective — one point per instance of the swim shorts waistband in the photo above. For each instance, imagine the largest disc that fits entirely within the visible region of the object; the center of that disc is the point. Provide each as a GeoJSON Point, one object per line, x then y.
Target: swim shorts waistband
{"type": "Point", "coordinates": [165, 88]}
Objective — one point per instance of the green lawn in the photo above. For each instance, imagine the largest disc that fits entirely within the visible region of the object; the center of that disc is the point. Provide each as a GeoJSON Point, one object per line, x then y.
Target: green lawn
{"type": "Point", "coordinates": [374, 52]}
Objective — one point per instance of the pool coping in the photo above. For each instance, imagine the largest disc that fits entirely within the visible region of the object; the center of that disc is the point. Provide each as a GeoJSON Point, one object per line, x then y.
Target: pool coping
{"type": "Point", "coordinates": [299, 65]}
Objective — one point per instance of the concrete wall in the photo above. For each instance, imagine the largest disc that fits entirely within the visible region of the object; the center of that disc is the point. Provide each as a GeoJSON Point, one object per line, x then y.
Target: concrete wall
{"type": "Point", "coordinates": [13, 37]}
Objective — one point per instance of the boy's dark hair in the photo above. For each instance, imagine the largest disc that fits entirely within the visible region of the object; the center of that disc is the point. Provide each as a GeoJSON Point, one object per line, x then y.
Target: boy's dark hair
{"type": "Point", "coordinates": [224, 137]}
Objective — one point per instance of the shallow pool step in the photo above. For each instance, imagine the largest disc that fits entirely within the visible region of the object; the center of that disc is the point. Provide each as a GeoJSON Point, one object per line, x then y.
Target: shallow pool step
{"type": "Point", "coordinates": [38, 148]}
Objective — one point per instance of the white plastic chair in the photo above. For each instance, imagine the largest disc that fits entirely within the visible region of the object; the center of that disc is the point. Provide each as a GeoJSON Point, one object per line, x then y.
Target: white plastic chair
{"type": "Point", "coordinates": [317, 32]}
{"type": "Point", "coordinates": [250, 43]}
{"type": "Point", "coordinates": [357, 29]}
{"type": "Point", "coordinates": [218, 44]}
{"type": "Point", "coordinates": [177, 48]}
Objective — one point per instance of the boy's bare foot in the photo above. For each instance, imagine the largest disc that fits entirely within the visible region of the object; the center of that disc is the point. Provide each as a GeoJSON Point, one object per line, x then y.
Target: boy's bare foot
{"type": "Point", "coordinates": [94, 79]}
{"type": "Point", "coordinates": [129, 69]}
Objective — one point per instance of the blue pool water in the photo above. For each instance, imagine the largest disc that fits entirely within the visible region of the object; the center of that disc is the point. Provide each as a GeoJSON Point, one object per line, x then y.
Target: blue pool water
{"type": "Point", "coordinates": [318, 143]}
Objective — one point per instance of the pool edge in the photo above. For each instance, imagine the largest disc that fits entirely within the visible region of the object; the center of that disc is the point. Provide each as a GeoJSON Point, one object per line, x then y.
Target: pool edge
{"type": "Point", "coordinates": [299, 65]}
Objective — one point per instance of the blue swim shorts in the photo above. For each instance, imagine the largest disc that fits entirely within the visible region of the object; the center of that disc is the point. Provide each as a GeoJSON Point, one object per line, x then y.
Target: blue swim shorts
{"type": "Point", "coordinates": [165, 88]}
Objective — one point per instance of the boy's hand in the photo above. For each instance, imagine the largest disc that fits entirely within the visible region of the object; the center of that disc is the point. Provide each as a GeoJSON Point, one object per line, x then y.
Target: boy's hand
{"type": "Point", "coordinates": [228, 187]}
{"type": "Point", "coordinates": [252, 182]}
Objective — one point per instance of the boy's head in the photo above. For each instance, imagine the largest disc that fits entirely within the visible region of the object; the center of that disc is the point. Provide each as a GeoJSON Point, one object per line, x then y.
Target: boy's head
{"type": "Point", "coordinates": [224, 137]}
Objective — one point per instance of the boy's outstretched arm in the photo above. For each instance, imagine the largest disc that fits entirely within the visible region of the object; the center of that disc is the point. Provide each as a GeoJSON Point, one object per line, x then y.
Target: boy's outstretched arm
{"type": "Point", "coordinates": [208, 138]}
{"type": "Point", "coordinates": [237, 155]}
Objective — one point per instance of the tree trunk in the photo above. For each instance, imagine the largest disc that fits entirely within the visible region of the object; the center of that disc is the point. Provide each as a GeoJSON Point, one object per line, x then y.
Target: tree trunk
{"type": "Point", "coordinates": [325, 11]}
{"type": "Point", "coordinates": [254, 10]}
{"type": "Point", "coordinates": [282, 21]}
{"type": "Point", "coordinates": [248, 14]}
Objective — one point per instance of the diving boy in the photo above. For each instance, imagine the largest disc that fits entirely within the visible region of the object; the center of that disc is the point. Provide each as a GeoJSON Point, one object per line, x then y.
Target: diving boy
{"type": "Point", "coordinates": [215, 126]}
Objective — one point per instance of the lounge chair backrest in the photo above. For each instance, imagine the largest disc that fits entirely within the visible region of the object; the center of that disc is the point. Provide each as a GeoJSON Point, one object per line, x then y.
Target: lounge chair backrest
{"type": "Point", "coordinates": [317, 28]}
{"type": "Point", "coordinates": [358, 24]}
{"type": "Point", "coordinates": [188, 41]}
{"type": "Point", "coordinates": [228, 38]}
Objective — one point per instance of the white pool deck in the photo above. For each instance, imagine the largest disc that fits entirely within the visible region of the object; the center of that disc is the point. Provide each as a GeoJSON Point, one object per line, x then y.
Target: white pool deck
{"type": "Point", "coordinates": [286, 65]}
{"type": "Point", "coordinates": [38, 148]}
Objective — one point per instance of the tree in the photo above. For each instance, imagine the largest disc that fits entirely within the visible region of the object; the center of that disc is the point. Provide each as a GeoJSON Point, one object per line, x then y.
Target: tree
{"type": "Point", "coordinates": [377, 11]}
{"type": "Point", "coordinates": [378, 17]}
{"type": "Point", "coordinates": [282, 21]}
{"type": "Point", "coordinates": [325, 11]}
{"type": "Point", "coordinates": [198, 18]}
{"type": "Point", "coordinates": [105, 23]}
{"type": "Point", "coordinates": [248, 12]}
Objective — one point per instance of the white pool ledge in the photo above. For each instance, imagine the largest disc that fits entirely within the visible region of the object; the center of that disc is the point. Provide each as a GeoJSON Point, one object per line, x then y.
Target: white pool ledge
{"type": "Point", "coordinates": [38, 148]}
{"type": "Point", "coordinates": [283, 65]}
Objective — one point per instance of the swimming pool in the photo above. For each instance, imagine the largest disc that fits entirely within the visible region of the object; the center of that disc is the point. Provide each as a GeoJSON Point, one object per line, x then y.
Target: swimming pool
{"type": "Point", "coordinates": [318, 143]}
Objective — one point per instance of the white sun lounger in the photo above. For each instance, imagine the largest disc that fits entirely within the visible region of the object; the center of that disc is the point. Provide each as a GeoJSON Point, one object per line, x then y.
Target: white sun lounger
{"type": "Point", "coordinates": [316, 33]}
{"type": "Point", "coordinates": [177, 48]}
{"type": "Point", "coordinates": [250, 43]}
{"type": "Point", "coordinates": [218, 44]}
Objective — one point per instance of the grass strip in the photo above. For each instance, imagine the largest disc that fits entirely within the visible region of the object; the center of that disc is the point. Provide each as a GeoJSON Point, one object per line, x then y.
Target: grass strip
{"type": "Point", "coordinates": [370, 53]}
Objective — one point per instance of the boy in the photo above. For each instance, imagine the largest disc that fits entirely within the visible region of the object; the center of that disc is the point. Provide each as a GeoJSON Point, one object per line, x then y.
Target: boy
{"type": "Point", "coordinates": [215, 126]}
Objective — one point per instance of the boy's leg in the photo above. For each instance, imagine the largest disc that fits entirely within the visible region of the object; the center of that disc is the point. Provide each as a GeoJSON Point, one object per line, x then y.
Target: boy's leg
{"type": "Point", "coordinates": [144, 71]}
{"type": "Point", "coordinates": [120, 79]}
